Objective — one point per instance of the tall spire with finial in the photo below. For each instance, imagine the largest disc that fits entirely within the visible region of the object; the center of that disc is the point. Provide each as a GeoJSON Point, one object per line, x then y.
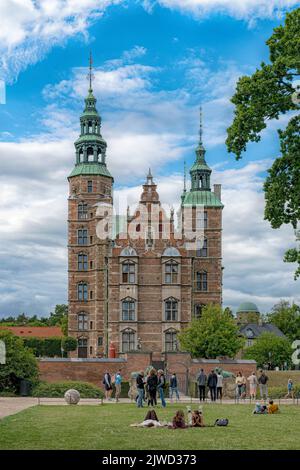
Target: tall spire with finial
{"type": "Point", "coordinates": [90, 74]}
{"type": "Point", "coordinates": [200, 127]}
{"type": "Point", "coordinates": [184, 176]}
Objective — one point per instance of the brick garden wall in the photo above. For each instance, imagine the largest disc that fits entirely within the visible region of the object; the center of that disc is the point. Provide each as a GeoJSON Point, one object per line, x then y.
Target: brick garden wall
{"type": "Point", "coordinates": [93, 370]}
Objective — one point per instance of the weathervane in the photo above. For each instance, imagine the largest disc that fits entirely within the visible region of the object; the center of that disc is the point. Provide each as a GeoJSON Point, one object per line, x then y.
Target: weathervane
{"type": "Point", "coordinates": [90, 75]}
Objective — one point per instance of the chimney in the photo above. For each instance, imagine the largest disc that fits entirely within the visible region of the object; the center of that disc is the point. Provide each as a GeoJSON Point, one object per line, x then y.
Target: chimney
{"type": "Point", "coordinates": [217, 191]}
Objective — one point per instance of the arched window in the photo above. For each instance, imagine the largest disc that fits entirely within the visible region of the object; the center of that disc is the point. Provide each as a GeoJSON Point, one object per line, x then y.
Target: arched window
{"type": "Point", "coordinates": [128, 251]}
{"type": "Point", "coordinates": [128, 340]}
{"type": "Point", "coordinates": [171, 309]}
{"type": "Point", "coordinates": [171, 272]}
{"type": "Point", "coordinates": [82, 236]}
{"type": "Point", "coordinates": [128, 272]}
{"type": "Point", "coordinates": [90, 154]}
{"type": "Point", "coordinates": [201, 281]}
{"type": "Point", "coordinates": [128, 309]}
{"type": "Point", "coordinates": [171, 343]}
{"type": "Point", "coordinates": [82, 210]}
{"type": "Point", "coordinates": [83, 323]}
{"type": "Point", "coordinates": [81, 156]}
{"type": "Point", "coordinates": [82, 262]}
{"type": "Point", "coordinates": [171, 251]}
{"type": "Point", "coordinates": [202, 248]}
{"type": "Point", "coordinates": [82, 291]}
{"type": "Point", "coordinates": [90, 128]}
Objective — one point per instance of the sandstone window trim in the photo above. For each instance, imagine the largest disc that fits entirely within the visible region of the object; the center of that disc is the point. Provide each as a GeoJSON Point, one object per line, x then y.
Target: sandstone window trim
{"type": "Point", "coordinates": [171, 341]}
{"type": "Point", "coordinates": [128, 340]}
{"type": "Point", "coordinates": [171, 272]}
{"type": "Point", "coordinates": [82, 236]}
{"type": "Point", "coordinates": [82, 210]}
{"type": "Point", "coordinates": [171, 309]}
{"type": "Point", "coordinates": [82, 291]}
{"type": "Point", "coordinates": [128, 309]}
{"type": "Point", "coordinates": [82, 321]}
{"type": "Point", "coordinates": [82, 261]}
{"type": "Point", "coordinates": [128, 272]}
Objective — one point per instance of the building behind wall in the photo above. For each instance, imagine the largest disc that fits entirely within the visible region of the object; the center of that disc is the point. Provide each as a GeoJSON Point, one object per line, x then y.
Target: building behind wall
{"type": "Point", "coordinates": [135, 287]}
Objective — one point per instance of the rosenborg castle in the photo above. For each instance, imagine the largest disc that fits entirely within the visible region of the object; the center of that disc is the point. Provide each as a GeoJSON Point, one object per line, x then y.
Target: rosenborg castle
{"type": "Point", "coordinates": [134, 285]}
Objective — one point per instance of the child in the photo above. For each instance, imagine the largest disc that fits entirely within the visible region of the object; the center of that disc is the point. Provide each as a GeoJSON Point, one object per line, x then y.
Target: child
{"type": "Point", "coordinates": [272, 408]}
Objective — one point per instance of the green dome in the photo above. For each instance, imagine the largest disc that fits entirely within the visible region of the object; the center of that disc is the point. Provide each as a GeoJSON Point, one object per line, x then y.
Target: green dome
{"type": "Point", "coordinates": [247, 307]}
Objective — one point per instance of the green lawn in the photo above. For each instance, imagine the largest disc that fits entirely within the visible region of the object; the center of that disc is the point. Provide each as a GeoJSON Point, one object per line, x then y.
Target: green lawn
{"type": "Point", "coordinates": [107, 427]}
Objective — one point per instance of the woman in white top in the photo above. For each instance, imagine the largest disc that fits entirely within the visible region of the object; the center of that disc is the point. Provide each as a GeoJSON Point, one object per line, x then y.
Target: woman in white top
{"type": "Point", "coordinates": [220, 386]}
{"type": "Point", "coordinates": [252, 379]}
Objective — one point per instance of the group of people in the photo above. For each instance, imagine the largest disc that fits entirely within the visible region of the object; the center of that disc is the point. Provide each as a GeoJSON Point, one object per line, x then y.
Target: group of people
{"type": "Point", "coordinates": [194, 419]}
{"type": "Point", "coordinates": [153, 384]}
{"type": "Point", "coordinates": [262, 408]}
{"type": "Point", "coordinates": [214, 382]}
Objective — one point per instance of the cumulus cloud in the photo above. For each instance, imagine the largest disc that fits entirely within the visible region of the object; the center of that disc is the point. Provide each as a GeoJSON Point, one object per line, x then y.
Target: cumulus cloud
{"type": "Point", "coordinates": [30, 28]}
{"type": "Point", "coordinates": [249, 10]}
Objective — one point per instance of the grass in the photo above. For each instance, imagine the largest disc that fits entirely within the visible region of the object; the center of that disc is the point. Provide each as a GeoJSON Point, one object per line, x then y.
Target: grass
{"type": "Point", "coordinates": [107, 427]}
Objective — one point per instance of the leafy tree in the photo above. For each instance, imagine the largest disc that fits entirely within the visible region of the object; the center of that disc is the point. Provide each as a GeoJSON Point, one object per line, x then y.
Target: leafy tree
{"type": "Point", "coordinates": [60, 312]}
{"type": "Point", "coordinates": [287, 318]}
{"type": "Point", "coordinates": [69, 343]}
{"type": "Point", "coordinates": [267, 94]}
{"type": "Point", "coordinates": [213, 334]}
{"type": "Point", "coordinates": [269, 348]}
{"type": "Point", "coordinates": [20, 363]}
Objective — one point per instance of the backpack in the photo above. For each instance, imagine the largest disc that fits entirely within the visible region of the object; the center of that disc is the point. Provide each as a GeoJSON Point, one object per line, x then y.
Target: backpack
{"type": "Point", "coordinates": [221, 422]}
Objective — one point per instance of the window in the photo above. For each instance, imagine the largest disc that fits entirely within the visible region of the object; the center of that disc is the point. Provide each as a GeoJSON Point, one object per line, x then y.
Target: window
{"type": "Point", "coordinates": [90, 154]}
{"type": "Point", "coordinates": [82, 211]}
{"type": "Point", "coordinates": [198, 310]}
{"type": "Point", "coordinates": [249, 342]}
{"type": "Point", "coordinates": [201, 219]}
{"type": "Point", "coordinates": [128, 272]}
{"type": "Point", "coordinates": [82, 262]}
{"type": "Point", "coordinates": [201, 281]}
{"type": "Point", "coordinates": [90, 127]}
{"type": "Point", "coordinates": [202, 248]}
{"type": "Point", "coordinates": [171, 272]}
{"type": "Point", "coordinates": [82, 291]}
{"type": "Point", "coordinates": [128, 340]}
{"type": "Point", "coordinates": [100, 341]}
{"type": "Point", "coordinates": [171, 309]}
{"type": "Point", "coordinates": [82, 321]}
{"type": "Point", "coordinates": [171, 341]}
{"type": "Point", "coordinates": [128, 310]}
{"type": "Point", "coordinates": [82, 347]}
{"type": "Point", "coordinates": [82, 236]}
{"type": "Point", "coordinates": [90, 186]}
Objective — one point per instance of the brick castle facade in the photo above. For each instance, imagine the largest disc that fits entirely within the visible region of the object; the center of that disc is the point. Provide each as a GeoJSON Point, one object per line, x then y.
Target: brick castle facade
{"type": "Point", "coordinates": [136, 281]}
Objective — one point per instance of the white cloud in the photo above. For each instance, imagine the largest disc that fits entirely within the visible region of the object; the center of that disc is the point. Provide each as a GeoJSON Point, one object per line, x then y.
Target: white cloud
{"type": "Point", "coordinates": [30, 28]}
{"type": "Point", "coordinates": [249, 10]}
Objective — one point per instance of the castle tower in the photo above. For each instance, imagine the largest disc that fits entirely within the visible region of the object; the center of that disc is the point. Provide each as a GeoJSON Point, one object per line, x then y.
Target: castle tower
{"type": "Point", "coordinates": [201, 210]}
{"type": "Point", "coordinates": [90, 189]}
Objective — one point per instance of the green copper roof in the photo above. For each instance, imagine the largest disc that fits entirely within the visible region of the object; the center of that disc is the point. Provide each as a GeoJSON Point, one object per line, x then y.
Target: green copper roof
{"type": "Point", "coordinates": [247, 307]}
{"type": "Point", "coordinates": [200, 165]}
{"type": "Point", "coordinates": [201, 198]}
{"type": "Point", "coordinates": [90, 169]}
{"type": "Point", "coordinates": [89, 138]}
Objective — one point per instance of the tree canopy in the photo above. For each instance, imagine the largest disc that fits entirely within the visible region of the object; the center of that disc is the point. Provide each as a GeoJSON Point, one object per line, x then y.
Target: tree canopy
{"type": "Point", "coordinates": [269, 348]}
{"type": "Point", "coordinates": [268, 94]}
{"type": "Point", "coordinates": [287, 318]}
{"type": "Point", "coordinates": [213, 334]}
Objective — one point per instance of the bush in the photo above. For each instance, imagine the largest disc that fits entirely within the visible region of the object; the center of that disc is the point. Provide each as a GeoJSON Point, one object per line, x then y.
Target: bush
{"type": "Point", "coordinates": [20, 364]}
{"type": "Point", "coordinates": [280, 392]}
{"type": "Point", "coordinates": [44, 347]}
{"type": "Point", "coordinates": [69, 343]}
{"type": "Point", "coordinates": [58, 389]}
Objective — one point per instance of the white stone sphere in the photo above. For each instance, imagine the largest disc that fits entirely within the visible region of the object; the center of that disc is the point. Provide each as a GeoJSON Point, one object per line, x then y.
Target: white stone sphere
{"type": "Point", "coordinates": [72, 396]}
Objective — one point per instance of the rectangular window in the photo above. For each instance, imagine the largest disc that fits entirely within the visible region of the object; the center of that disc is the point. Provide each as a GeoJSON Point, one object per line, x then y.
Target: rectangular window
{"type": "Point", "coordinates": [202, 220]}
{"type": "Point", "coordinates": [91, 264]}
{"type": "Point", "coordinates": [82, 236]}
{"type": "Point", "coordinates": [82, 211]}
{"type": "Point", "coordinates": [91, 294]}
{"type": "Point", "coordinates": [202, 248]}
{"type": "Point", "coordinates": [82, 322]}
{"type": "Point", "coordinates": [90, 186]}
{"type": "Point", "coordinates": [198, 310]}
{"type": "Point", "coordinates": [171, 341]}
{"type": "Point", "coordinates": [82, 262]}
{"type": "Point", "coordinates": [128, 310]}
{"type": "Point", "coordinates": [100, 341]}
{"type": "Point", "coordinates": [83, 292]}
{"type": "Point", "coordinates": [128, 273]}
{"type": "Point", "coordinates": [171, 273]}
{"type": "Point", "coordinates": [128, 341]}
{"type": "Point", "coordinates": [201, 281]}
{"type": "Point", "coordinates": [171, 310]}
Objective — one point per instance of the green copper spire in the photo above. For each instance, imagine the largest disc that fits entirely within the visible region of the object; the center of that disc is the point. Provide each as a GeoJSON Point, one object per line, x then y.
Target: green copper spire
{"type": "Point", "coordinates": [90, 146]}
{"type": "Point", "coordinates": [200, 171]}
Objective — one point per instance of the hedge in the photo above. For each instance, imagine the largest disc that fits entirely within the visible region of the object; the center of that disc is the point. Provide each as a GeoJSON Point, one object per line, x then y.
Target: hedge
{"type": "Point", "coordinates": [50, 347]}
{"type": "Point", "coordinates": [281, 392]}
{"type": "Point", "coordinates": [58, 389]}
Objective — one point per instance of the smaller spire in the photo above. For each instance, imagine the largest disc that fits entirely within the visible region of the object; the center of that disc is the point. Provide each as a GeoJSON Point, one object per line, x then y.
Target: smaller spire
{"type": "Point", "coordinates": [184, 176]}
{"type": "Point", "coordinates": [90, 75]}
{"type": "Point", "coordinates": [149, 177]}
{"type": "Point", "coordinates": [200, 127]}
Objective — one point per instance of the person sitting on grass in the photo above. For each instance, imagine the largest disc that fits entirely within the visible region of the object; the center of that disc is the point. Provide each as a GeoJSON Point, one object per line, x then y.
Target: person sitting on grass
{"type": "Point", "coordinates": [260, 408]}
{"type": "Point", "coordinates": [178, 421]}
{"type": "Point", "coordinates": [197, 419]}
{"type": "Point", "coordinates": [272, 407]}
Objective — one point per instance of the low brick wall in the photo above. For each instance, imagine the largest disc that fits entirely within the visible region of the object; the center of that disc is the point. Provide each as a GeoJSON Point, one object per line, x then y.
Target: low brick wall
{"type": "Point", "coordinates": [93, 370]}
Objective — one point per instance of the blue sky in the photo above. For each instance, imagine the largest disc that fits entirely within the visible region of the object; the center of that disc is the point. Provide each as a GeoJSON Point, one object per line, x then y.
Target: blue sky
{"type": "Point", "coordinates": [154, 63]}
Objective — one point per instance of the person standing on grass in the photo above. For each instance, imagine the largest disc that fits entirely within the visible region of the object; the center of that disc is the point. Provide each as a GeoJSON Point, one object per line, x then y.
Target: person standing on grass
{"type": "Point", "coordinates": [118, 384]}
{"type": "Point", "coordinates": [152, 382]}
{"type": "Point", "coordinates": [239, 381]}
{"type": "Point", "coordinates": [219, 386]}
{"type": "Point", "coordinates": [263, 387]}
{"type": "Point", "coordinates": [201, 379]}
{"type": "Point", "coordinates": [107, 385]}
{"type": "Point", "coordinates": [212, 381]}
{"type": "Point", "coordinates": [140, 388]}
{"type": "Point", "coordinates": [252, 379]}
{"type": "Point", "coordinates": [161, 387]}
{"type": "Point", "coordinates": [290, 391]}
{"type": "Point", "coordinates": [174, 387]}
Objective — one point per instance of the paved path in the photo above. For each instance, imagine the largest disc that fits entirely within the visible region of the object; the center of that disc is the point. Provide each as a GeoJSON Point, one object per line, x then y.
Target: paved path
{"type": "Point", "coordinates": [13, 405]}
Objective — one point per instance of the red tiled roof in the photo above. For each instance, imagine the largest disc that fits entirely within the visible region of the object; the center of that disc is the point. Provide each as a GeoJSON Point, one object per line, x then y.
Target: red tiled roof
{"type": "Point", "coordinates": [34, 331]}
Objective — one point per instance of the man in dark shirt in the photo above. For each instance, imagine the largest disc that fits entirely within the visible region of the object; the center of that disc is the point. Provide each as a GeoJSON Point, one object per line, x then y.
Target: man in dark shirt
{"type": "Point", "coordinates": [212, 381]}
{"type": "Point", "coordinates": [263, 387]}
{"type": "Point", "coordinates": [140, 388]}
{"type": "Point", "coordinates": [201, 379]}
